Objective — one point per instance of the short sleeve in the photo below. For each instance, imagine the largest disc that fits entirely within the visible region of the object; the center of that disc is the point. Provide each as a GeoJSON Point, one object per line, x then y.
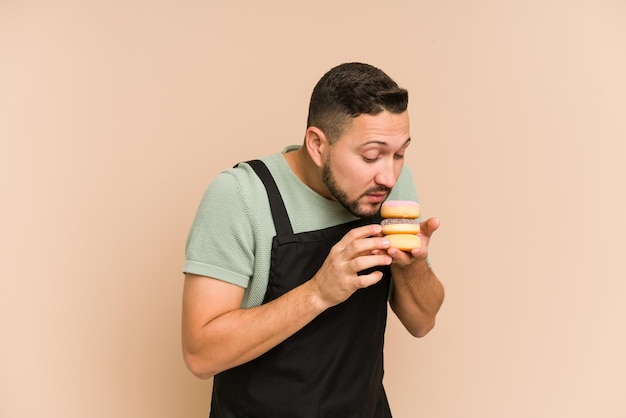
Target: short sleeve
{"type": "Point", "coordinates": [220, 241]}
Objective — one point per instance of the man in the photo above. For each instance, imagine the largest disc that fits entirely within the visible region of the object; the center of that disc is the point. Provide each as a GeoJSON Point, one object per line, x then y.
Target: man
{"type": "Point", "coordinates": [287, 274]}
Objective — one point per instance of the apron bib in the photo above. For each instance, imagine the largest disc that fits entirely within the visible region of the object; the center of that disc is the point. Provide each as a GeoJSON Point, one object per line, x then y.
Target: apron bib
{"type": "Point", "coordinates": [333, 367]}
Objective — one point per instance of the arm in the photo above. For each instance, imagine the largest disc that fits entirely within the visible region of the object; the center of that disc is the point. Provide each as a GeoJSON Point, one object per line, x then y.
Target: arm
{"type": "Point", "coordinates": [218, 334]}
{"type": "Point", "coordinates": [417, 293]}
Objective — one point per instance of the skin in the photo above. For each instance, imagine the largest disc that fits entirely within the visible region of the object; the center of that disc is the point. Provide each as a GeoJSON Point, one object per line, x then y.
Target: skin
{"type": "Point", "coordinates": [359, 169]}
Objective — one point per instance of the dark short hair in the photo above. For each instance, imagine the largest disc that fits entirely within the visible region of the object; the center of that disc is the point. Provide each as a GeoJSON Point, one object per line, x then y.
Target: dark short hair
{"type": "Point", "coordinates": [349, 90]}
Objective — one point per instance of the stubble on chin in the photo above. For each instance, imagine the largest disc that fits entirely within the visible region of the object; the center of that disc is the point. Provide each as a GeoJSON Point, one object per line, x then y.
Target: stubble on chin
{"type": "Point", "coordinates": [364, 210]}
{"type": "Point", "coordinates": [353, 206]}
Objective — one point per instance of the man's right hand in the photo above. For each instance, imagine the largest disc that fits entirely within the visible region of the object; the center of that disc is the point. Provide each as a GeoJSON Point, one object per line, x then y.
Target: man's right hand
{"type": "Point", "coordinates": [358, 250]}
{"type": "Point", "coordinates": [218, 334]}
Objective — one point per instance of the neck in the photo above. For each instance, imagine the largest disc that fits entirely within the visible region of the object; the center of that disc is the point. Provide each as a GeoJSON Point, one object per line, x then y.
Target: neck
{"type": "Point", "coordinates": [306, 170]}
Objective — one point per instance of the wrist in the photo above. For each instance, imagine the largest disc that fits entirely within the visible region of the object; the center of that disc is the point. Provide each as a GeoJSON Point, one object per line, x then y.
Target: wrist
{"type": "Point", "coordinates": [315, 298]}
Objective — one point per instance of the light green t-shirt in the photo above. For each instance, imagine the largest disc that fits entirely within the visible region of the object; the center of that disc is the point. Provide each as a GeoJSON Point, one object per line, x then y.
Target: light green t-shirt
{"type": "Point", "coordinates": [231, 236]}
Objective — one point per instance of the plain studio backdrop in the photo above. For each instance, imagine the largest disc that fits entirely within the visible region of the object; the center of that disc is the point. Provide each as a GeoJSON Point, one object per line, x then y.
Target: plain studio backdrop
{"type": "Point", "coordinates": [115, 115]}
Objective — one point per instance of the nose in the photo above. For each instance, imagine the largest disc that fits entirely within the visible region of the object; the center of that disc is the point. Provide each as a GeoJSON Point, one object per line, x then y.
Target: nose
{"type": "Point", "coordinates": [387, 175]}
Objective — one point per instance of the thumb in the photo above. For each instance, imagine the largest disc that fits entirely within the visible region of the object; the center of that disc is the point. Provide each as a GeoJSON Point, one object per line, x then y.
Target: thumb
{"type": "Point", "coordinates": [429, 226]}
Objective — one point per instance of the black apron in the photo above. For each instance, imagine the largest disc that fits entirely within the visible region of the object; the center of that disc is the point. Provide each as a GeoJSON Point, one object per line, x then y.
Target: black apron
{"type": "Point", "coordinates": [331, 368]}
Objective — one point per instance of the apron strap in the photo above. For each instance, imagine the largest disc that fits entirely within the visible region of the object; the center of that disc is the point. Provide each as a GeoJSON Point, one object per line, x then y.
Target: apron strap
{"type": "Point", "coordinates": [277, 205]}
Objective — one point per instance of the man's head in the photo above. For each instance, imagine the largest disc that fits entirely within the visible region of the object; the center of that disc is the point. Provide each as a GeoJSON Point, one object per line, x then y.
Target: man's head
{"type": "Point", "coordinates": [349, 90]}
{"type": "Point", "coordinates": [357, 134]}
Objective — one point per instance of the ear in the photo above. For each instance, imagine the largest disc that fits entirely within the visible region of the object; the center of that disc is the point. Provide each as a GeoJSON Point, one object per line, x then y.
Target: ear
{"type": "Point", "coordinates": [316, 145]}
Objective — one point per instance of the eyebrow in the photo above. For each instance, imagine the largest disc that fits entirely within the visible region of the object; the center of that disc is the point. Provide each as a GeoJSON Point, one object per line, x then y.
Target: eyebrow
{"type": "Point", "coordinates": [385, 144]}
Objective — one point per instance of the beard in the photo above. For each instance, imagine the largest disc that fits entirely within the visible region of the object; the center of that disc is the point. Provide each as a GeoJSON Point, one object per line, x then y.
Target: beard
{"type": "Point", "coordinates": [352, 206]}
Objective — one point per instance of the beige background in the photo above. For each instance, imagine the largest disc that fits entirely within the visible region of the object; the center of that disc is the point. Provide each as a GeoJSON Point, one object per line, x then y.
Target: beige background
{"type": "Point", "coordinates": [114, 116]}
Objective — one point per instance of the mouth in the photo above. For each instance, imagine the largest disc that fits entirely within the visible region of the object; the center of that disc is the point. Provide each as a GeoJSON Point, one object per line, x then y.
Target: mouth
{"type": "Point", "coordinates": [376, 197]}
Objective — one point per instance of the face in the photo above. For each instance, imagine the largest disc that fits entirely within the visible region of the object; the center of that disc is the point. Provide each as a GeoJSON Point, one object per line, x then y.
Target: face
{"type": "Point", "coordinates": [364, 163]}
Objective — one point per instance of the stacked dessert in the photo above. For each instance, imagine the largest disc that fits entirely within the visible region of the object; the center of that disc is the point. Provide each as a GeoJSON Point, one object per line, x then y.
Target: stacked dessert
{"type": "Point", "coordinates": [400, 224]}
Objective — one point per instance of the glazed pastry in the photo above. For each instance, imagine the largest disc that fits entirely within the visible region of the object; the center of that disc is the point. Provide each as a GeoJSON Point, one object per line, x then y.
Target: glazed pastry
{"type": "Point", "coordinates": [400, 225]}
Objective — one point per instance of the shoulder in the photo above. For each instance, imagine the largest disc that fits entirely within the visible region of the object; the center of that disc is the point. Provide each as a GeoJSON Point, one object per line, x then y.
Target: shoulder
{"type": "Point", "coordinates": [239, 185]}
{"type": "Point", "coordinates": [233, 199]}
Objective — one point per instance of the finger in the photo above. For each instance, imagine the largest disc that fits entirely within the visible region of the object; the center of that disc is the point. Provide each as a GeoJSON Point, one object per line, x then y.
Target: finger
{"type": "Point", "coordinates": [370, 245]}
{"type": "Point", "coordinates": [364, 239]}
{"type": "Point", "coordinates": [420, 253]}
{"type": "Point", "coordinates": [366, 280]}
{"type": "Point", "coordinates": [399, 255]}
{"type": "Point", "coordinates": [364, 231]}
{"type": "Point", "coordinates": [429, 226]}
{"type": "Point", "coordinates": [368, 261]}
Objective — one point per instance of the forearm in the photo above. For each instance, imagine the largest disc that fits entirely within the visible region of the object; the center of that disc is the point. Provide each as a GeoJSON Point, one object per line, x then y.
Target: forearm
{"type": "Point", "coordinates": [218, 335]}
{"type": "Point", "coordinates": [240, 335]}
{"type": "Point", "coordinates": [417, 296]}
